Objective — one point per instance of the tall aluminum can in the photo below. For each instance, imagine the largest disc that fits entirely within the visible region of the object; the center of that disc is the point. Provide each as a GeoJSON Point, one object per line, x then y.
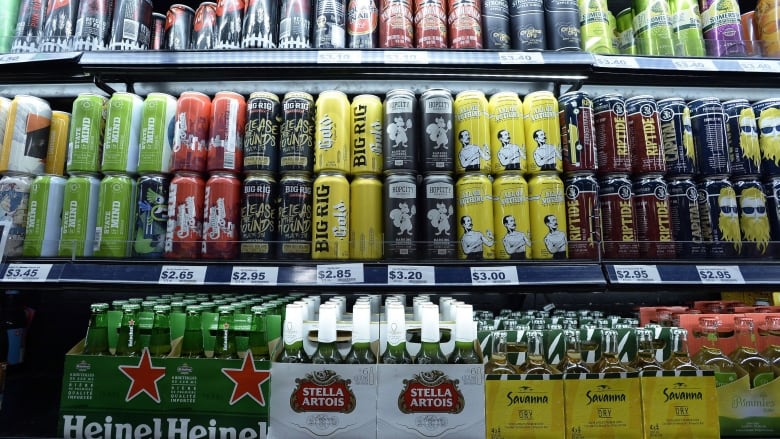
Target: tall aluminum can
{"type": "Point", "coordinates": [115, 216]}
{"type": "Point", "coordinates": [685, 218]}
{"type": "Point", "coordinates": [548, 216]}
{"type": "Point", "coordinates": [330, 24]}
{"type": "Point", "coordinates": [366, 135]}
{"type": "Point", "coordinates": [527, 23]}
{"type": "Point", "coordinates": [753, 217]}
{"type": "Point", "coordinates": [772, 193]}
{"type": "Point", "coordinates": [438, 204]}
{"type": "Point", "coordinates": [295, 216]}
{"type": "Point", "coordinates": [230, 15]}
{"type": "Point", "coordinates": [722, 28]}
{"type": "Point", "coordinates": [399, 141]}
{"type": "Point", "coordinates": [474, 210]}
{"type": "Point", "coordinates": [157, 32]}
{"type": "Point", "coordinates": [261, 19]}
{"type": "Point", "coordinates": [644, 135]}
{"type": "Point", "coordinates": [562, 23]}
{"type": "Point", "coordinates": [653, 219]}
{"type": "Point", "coordinates": [123, 126]}
{"type": "Point", "coordinates": [259, 197]}
{"type": "Point", "coordinates": [396, 24]}
{"type": "Point", "coordinates": [686, 28]}
{"type": "Point", "coordinates": [511, 216]}
{"type": "Point", "coordinates": [30, 20]}
{"type": "Point", "coordinates": [226, 133]}
{"type": "Point", "coordinates": [26, 140]}
{"type": "Point", "coordinates": [437, 143]}
{"type": "Point", "coordinates": [582, 215]}
{"type": "Point", "coordinates": [618, 222]}
{"type": "Point", "coordinates": [330, 217]}
{"type": "Point", "coordinates": [507, 133]}
{"type": "Point", "coordinates": [93, 25]}
{"type": "Point", "coordinates": [204, 27]}
{"type": "Point", "coordinates": [578, 140]}
{"type": "Point", "coordinates": [8, 24]}
{"type": "Point", "coordinates": [296, 147]}
{"type": "Point", "coordinates": [184, 232]}
{"type": "Point", "coordinates": [221, 216]}
{"type": "Point", "coordinates": [709, 137]}
{"type": "Point", "coordinates": [401, 230]}
{"type": "Point", "coordinates": [595, 31]}
{"type": "Point", "coordinates": [742, 138]}
{"type": "Point", "coordinates": [130, 30]}
{"type": "Point", "coordinates": [366, 222]}
{"type": "Point", "coordinates": [677, 137]}
{"type": "Point", "coordinates": [719, 213]}
{"type": "Point", "coordinates": [14, 202]}
{"type": "Point", "coordinates": [496, 32]}
{"type": "Point", "coordinates": [332, 122]}
{"type": "Point", "coordinates": [158, 118]}
{"type": "Point", "coordinates": [58, 143]}
{"type": "Point", "coordinates": [430, 24]}
{"type": "Point", "coordinates": [611, 124]}
{"type": "Point", "coordinates": [59, 26]}
{"type": "Point", "coordinates": [767, 113]}
{"type": "Point", "coordinates": [363, 24]}
{"type": "Point", "coordinates": [5, 107]}
{"type": "Point", "coordinates": [542, 132]}
{"type": "Point", "coordinates": [178, 27]}
{"type": "Point", "coordinates": [653, 27]}
{"type": "Point", "coordinates": [757, 25]}
{"type": "Point", "coordinates": [295, 24]}
{"type": "Point", "coordinates": [191, 132]}
{"type": "Point", "coordinates": [44, 220]}
{"type": "Point", "coordinates": [79, 215]}
{"type": "Point", "coordinates": [261, 135]}
{"type": "Point", "coordinates": [625, 29]}
{"type": "Point", "coordinates": [472, 123]}
{"type": "Point", "coordinates": [151, 216]}
{"type": "Point", "coordinates": [464, 20]}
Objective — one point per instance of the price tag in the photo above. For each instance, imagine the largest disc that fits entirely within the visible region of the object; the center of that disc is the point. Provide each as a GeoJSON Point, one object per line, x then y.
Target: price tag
{"type": "Point", "coordinates": [695, 64]}
{"type": "Point", "coordinates": [520, 58]}
{"type": "Point", "coordinates": [339, 274]}
{"type": "Point", "coordinates": [27, 272]}
{"type": "Point", "coordinates": [637, 274]}
{"type": "Point", "coordinates": [620, 62]}
{"type": "Point", "coordinates": [410, 275]}
{"type": "Point", "coordinates": [175, 274]}
{"type": "Point", "coordinates": [494, 276]}
{"type": "Point", "coordinates": [339, 57]}
{"type": "Point", "coordinates": [720, 274]}
{"type": "Point", "coordinates": [254, 275]}
{"type": "Point", "coordinates": [16, 57]}
{"type": "Point", "coordinates": [405, 57]}
{"type": "Point", "coordinates": [760, 66]}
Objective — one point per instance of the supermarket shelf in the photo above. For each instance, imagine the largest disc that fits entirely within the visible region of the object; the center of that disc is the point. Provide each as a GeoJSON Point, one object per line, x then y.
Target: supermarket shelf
{"type": "Point", "coordinates": [41, 68]}
{"type": "Point", "coordinates": [631, 274]}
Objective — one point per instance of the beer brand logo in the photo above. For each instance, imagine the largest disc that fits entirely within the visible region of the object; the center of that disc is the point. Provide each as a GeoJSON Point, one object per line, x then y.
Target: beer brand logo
{"type": "Point", "coordinates": [530, 33]}
{"type": "Point", "coordinates": [431, 392]}
{"type": "Point", "coordinates": [680, 392]}
{"type": "Point", "coordinates": [572, 192]}
{"type": "Point", "coordinates": [569, 31]}
{"type": "Point", "coordinates": [624, 192]}
{"type": "Point", "coordinates": [526, 395]}
{"type": "Point", "coordinates": [667, 115]}
{"type": "Point", "coordinates": [763, 400]}
{"type": "Point", "coordinates": [691, 194]}
{"type": "Point", "coordinates": [322, 391]}
{"type": "Point", "coordinates": [605, 394]}
{"type": "Point", "coordinates": [619, 108]}
{"type": "Point", "coordinates": [660, 193]}
{"type": "Point", "coordinates": [328, 133]}
{"type": "Point", "coordinates": [647, 110]}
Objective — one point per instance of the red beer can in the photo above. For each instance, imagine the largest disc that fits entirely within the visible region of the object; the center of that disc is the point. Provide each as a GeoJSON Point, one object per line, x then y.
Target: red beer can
{"type": "Point", "coordinates": [653, 218]}
{"type": "Point", "coordinates": [430, 24]}
{"type": "Point", "coordinates": [226, 133]}
{"type": "Point", "coordinates": [465, 24]}
{"type": "Point", "coordinates": [221, 216]}
{"type": "Point", "coordinates": [193, 114]}
{"type": "Point", "coordinates": [644, 136]}
{"type": "Point", "coordinates": [582, 215]}
{"type": "Point", "coordinates": [396, 24]}
{"type": "Point", "coordinates": [185, 216]}
{"type": "Point", "coordinates": [204, 27]}
{"type": "Point", "coordinates": [618, 223]}
{"type": "Point", "coordinates": [611, 129]}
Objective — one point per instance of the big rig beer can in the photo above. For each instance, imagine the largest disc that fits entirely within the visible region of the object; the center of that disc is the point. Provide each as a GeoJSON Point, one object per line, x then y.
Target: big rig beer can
{"type": "Point", "coordinates": [190, 137]}
{"type": "Point", "coordinates": [260, 24]}
{"type": "Point", "coordinates": [582, 215]}
{"type": "Point", "coordinates": [331, 132]}
{"type": "Point", "coordinates": [363, 24]}
{"type": "Point", "coordinates": [58, 143]}
{"type": "Point", "coordinates": [151, 216]}
{"type": "Point", "coordinates": [259, 197]}
{"type": "Point", "coordinates": [366, 135]}
{"type": "Point", "coordinates": [295, 24]}
{"type": "Point", "coordinates": [575, 111]}
{"type": "Point", "coordinates": [612, 147]}
{"type": "Point", "coordinates": [93, 25]}
{"type": "Point", "coordinates": [26, 140]}
{"type": "Point", "coordinates": [79, 216]}
{"type": "Point", "coordinates": [123, 125]}
{"type": "Point", "coordinates": [507, 133]}
{"type": "Point", "coordinates": [753, 217]}
{"type": "Point", "coordinates": [226, 133]}
{"type": "Point", "coordinates": [709, 137]}
{"type": "Point", "coordinates": [130, 30]}
{"type": "Point", "coordinates": [685, 218]}
{"type": "Point", "coordinates": [261, 135]}
{"type": "Point", "coordinates": [366, 222]}
{"type": "Point", "coordinates": [719, 213]}
{"type": "Point", "coordinates": [204, 27]}
{"type": "Point", "coordinates": [14, 202]}
{"type": "Point", "coordinates": [542, 132]}
{"type": "Point", "coordinates": [330, 217]}
{"type": "Point", "coordinates": [742, 137]}
{"type": "Point", "coordinates": [157, 129]}
{"type": "Point", "coordinates": [400, 140]}
{"type": "Point", "coordinates": [230, 14]}
{"type": "Point", "coordinates": [44, 220]}
{"type": "Point", "coordinates": [677, 137]}
{"type": "Point", "coordinates": [401, 231]}
{"type": "Point", "coordinates": [511, 216]}
{"type": "Point", "coordinates": [295, 216]}
{"type": "Point", "coordinates": [221, 216]}
{"type": "Point", "coordinates": [58, 29]}
{"type": "Point", "coordinates": [330, 24]}
{"type": "Point", "coordinates": [115, 216]}
{"type": "Point", "coordinates": [184, 232]}
{"type": "Point", "coordinates": [618, 222]}
{"type": "Point", "coordinates": [296, 147]}
{"type": "Point", "coordinates": [653, 219]}
{"type": "Point", "coordinates": [474, 210]}
{"type": "Point", "coordinates": [29, 25]}
{"type": "Point", "coordinates": [157, 31]}
{"type": "Point", "coordinates": [178, 27]}
{"type": "Point", "coordinates": [548, 216]}
{"type": "Point", "coordinates": [472, 125]}
{"type": "Point", "coordinates": [437, 143]}
{"type": "Point", "coordinates": [438, 204]}
{"type": "Point", "coordinates": [644, 135]}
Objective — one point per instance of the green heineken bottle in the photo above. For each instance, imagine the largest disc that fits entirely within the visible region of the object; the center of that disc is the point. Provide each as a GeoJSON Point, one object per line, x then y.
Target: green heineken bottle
{"type": "Point", "coordinates": [430, 349]}
{"type": "Point", "coordinates": [128, 342]}
{"type": "Point", "coordinates": [225, 343]}
{"type": "Point", "coordinates": [96, 341]}
{"type": "Point", "coordinates": [258, 340]}
{"type": "Point", "coordinates": [327, 350]}
{"type": "Point", "coordinates": [192, 341]}
{"type": "Point", "coordinates": [464, 352]}
{"type": "Point", "coordinates": [160, 340]}
{"type": "Point", "coordinates": [361, 352]}
{"type": "Point", "coordinates": [395, 352]}
{"type": "Point", "coordinates": [293, 351]}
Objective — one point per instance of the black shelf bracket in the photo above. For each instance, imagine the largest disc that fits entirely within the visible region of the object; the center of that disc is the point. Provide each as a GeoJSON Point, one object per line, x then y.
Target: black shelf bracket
{"type": "Point", "coordinates": [101, 84]}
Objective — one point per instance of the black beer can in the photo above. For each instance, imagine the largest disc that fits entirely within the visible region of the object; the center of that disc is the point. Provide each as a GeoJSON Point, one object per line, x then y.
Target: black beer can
{"type": "Point", "coordinates": [230, 15]}
{"type": "Point", "coordinates": [495, 25]}
{"type": "Point", "coordinates": [772, 194]}
{"type": "Point", "coordinates": [258, 216]}
{"type": "Point", "coordinates": [178, 27]}
{"type": "Point", "coordinates": [562, 24]}
{"type": "Point", "coordinates": [436, 143]}
{"type": "Point", "coordinates": [362, 24]}
{"type": "Point", "coordinates": [59, 27]}
{"type": "Point", "coordinates": [685, 217]}
{"type": "Point", "coordinates": [400, 206]}
{"type": "Point", "coordinates": [261, 134]}
{"type": "Point", "coordinates": [296, 145]}
{"type": "Point", "coordinates": [30, 23]}
{"type": "Point", "coordinates": [295, 24]}
{"type": "Point", "coordinates": [132, 19]}
{"type": "Point", "coordinates": [526, 19]}
{"type": "Point", "coordinates": [330, 24]}
{"type": "Point", "coordinates": [438, 205]}
{"type": "Point", "coordinates": [753, 217]}
{"type": "Point", "coordinates": [719, 213]}
{"type": "Point", "coordinates": [93, 25]}
{"type": "Point", "coordinates": [295, 216]}
{"type": "Point", "coordinates": [204, 28]}
{"type": "Point", "coordinates": [742, 136]}
{"type": "Point", "coordinates": [261, 18]}
{"type": "Point", "coordinates": [151, 217]}
{"type": "Point", "coordinates": [709, 137]}
{"type": "Point", "coordinates": [399, 141]}
{"type": "Point", "coordinates": [677, 137]}
{"type": "Point", "coordinates": [157, 32]}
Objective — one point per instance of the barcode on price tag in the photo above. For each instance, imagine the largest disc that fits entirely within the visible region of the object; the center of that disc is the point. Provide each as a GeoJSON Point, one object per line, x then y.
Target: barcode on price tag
{"type": "Point", "coordinates": [494, 276]}
{"type": "Point", "coordinates": [175, 274]}
{"type": "Point", "coordinates": [339, 57]}
{"type": "Point", "coordinates": [335, 274]}
{"type": "Point", "coordinates": [27, 272]}
{"type": "Point", "coordinates": [520, 58]}
{"type": "Point", "coordinates": [637, 274]}
{"type": "Point", "coordinates": [720, 274]}
{"type": "Point", "coordinates": [410, 275]}
{"type": "Point", "coordinates": [254, 275]}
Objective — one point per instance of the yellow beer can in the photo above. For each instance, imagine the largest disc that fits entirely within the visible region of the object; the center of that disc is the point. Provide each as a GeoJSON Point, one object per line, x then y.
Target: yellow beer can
{"type": "Point", "coordinates": [330, 216]}
{"type": "Point", "coordinates": [542, 132]}
{"type": "Point", "coordinates": [511, 216]}
{"type": "Point", "coordinates": [58, 143]}
{"type": "Point", "coordinates": [366, 135]}
{"type": "Point", "coordinates": [472, 128]}
{"type": "Point", "coordinates": [507, 133]}
{"type": "Point", "coordinates": [332, 122]}
{"type": "Point", "coordinates": [548, 216]}
{"type": "Point", "coordinates": [365, 228]}
{"type": "Point", "coordinates": [474, 209]}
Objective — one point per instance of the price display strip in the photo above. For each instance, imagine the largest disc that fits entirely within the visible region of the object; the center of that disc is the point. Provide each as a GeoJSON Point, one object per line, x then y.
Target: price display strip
{"type": "Point", "coordinates": [520, 58]}
{"type": "Point", "coordinates": [27, 273]}
{"type": "Point", "coordinates": [242, 275]}
{"type": "Point", "coordinates": [616, 62]}
{"type": "Point", "coordinates": [696, 65]}
{"type": "Point", "coordinates": [411, 275]}
{"type": "Point", "coordinates": [339, 274]}
{"type": "Point", "coordinates": [720, 274]}
{"type": "Point", "coordinates": [504, 275]}
{"type": "Point", "coordinates": [636, 274]}
{"type": "Point", "coordinates": [759, 66]}
{"type": "Point", "coordinates": [405, 57]}
{"type": "Point", "coordinates": [8, 58]}
{"type": "Point", "coordinates": [185, 275]}
{"type": "Point", "coordinates": [339, 57]}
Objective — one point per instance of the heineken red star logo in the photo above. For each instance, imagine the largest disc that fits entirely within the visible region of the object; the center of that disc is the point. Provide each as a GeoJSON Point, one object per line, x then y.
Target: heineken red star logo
{"type": "Point", "coordinates": [247, 381]}
{"type": "Point", "coordinates": [143, 378]}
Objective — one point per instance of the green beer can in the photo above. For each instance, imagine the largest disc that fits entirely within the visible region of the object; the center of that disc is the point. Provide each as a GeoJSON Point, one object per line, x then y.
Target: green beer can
{"type": "Point", "coordinates": [653, 27]}
{"type": "Point", "coordinates": [115, 216]}
{"type": "Point", "coordinates": [157, 124]}
{"type": "Point", "coordinates": [44, 219]}
{"type": "Point", "coordinates": [79, 215]}
{"type": "Point", "coordinates": [10, 10]}
{"type": "Point", "coordinates": [595, 32]}
{"type": "Point", "coordinates": [686, 28]}
{"type": "Point", "coordinates": [625, 29]}
{"type": "Point", "coordinates": [120, 142]}
{"type": "Point", "coordinates": [85, 142]}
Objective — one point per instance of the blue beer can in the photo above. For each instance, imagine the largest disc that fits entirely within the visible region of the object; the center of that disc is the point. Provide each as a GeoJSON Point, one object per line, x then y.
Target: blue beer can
{"type": "Point", "coordinates": [685, 218]}
{"type": "Point", "coordinates": [677, 137]}
{"type": "Point", "coordinates": [772, 194]}
{"type": "Point", "coordinates": [767, 114]}
{"type": "Point", "coordinates": [719, 215]}
{"type": "Point", "coordinates": [709, 137]}
{"type": "Point", "coordinates": [742, 137]}
{"type": "Point", "coordinates": [753, 217]}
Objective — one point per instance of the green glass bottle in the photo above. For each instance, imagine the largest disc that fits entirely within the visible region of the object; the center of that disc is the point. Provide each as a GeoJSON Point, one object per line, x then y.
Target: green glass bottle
{"type": "Point", "coordinates": [327, 349]}
{"type": "Point", "coordinates": [128, 341]}
{"type": "Point", "coordinates": [225, 342]}
{"type": "Point", "coordinates": [292, 351]}
{"type": "Point", "coordinates": [747, 356]}
{"type": "Point", "coordinates": [535, 363]}
{"type": "Point", "coordinates": [609, 361]}
{"type": "Point", "coordinates": [430, 348]}
{"type": "Point", "coordinates": [645, 352]}
{"type": "Point", "coordinates": [498, 363]}
{"type": "Point", "coordinates": [772, 351]}
{"type": "Point", "coordinates": [160, 340]}
{"type": "Point", "coordinates": [572, 359]}
{"type": "Point", "coordinates": [96, 341]}
{"type": "Point", "coordinates": [680, 358]}
{"type": "Point", "coordinates": [258, 340]}
{"type": "Point", "coordinates": [395, 352]}
{"type": "Point", "coordinates": [710, 356]}
{"type": "Point", "coordinates": [192, 341]}
{"type": "Point", "coordinates": [361, 352]}
{"type": "Point", "coordinates": [464, 352]}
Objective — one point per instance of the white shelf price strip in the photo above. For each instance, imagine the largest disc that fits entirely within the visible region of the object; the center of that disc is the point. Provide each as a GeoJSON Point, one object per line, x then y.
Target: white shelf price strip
{"type": "Point", "coordinates": [623, 62]}
{"type": "Point", "coordinates": [339, 57]}
{"type": "Point", "coordinates": [720, 274]}
{"type": "Point", "coordinates": [520, 58]}
{"type": "Point", "coordinates": [627, 274]}
{"type": "Point", "coordinates": [494, 276]}
{"type": "Point", "coordinates": [175, 274]}
{"type": "Point", "coordinates": [27, 272]}
{"type": "Point", "coordinates": [254, 275]}
{"type": "Point", "coordinates": [333, 274]}
{"type": "Point", "coordinates": [410, 275]}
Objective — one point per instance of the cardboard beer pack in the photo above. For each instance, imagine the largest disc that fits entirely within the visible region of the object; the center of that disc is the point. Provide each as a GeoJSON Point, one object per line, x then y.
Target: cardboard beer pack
{"type": "Point", "coordinates": [677, 404]}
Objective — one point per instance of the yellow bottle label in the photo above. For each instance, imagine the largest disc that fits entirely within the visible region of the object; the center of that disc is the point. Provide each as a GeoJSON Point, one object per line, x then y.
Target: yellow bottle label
{"type": "Point", "coordinates": [676, 405]}
{"type": "Point", "coordinates": [603, 407]}
{"type": "Point", "coordinates": [528, 408]}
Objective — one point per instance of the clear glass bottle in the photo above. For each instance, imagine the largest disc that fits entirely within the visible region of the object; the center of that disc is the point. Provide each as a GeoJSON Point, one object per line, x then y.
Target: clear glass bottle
{"type": "Point", "coordinates": [128, 342]}
{"type": "Point", "coordinates": [192, 341]}
{"type": "Point", "coordinates": [645, 352]}
{"type": "Point", "coordinates": [96, 341]}
{"type": "Point", "coordinates": [361, 352]}
{"type": "Point", "coordinates": [395, 352]}
{"type": "Point", "coordinates": [572, 359]}
{"type": "Point", "coordinates": [609, 361]}
{"type": "Point", "coordinates": [293, 351]}
{"type": "Point", "coordinates": [747, 356]}
{"type": "Point", "coordinates": [430, 349]}
{"type": "Point", "coordinates": [464, 352]}
{"type": "Point", "coordinates": [711, 357]}
{"type": "Point", "coordinates": [499, 359]}
{"type": "Point", "coordinates": [772, 351]}
{"type": "Point", "coordinates": [258, 340]}
{"type": "Point", "coordinates": [225, 342]}
{"type": "Point", "coordinates": [327, 349]}
{"type": "Point", "coordinates": [535, 363]}
{"type": "Point", "coordinates": [680, 358]}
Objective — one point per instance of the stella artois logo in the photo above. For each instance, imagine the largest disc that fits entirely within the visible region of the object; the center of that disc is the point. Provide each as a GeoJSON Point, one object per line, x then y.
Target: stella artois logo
{"type": "Point", "coordinates": [431, 392]}
{"type": "Point", "coordinates": [322, 391]}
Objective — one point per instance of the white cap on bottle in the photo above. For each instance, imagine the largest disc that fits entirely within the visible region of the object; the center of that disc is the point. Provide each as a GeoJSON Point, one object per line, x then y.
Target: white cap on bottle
{"type": "Point", "coordinates": [361, 323]}
{"type": "Point", "coordinates": [430, 323]}
{"type": "Point", "coordinates": [326, 331]}
{"type": "Point", "coordinates": [396, 323]}
{"type": "Point", "coordinates": [464, 323]}
{"type": "Point", "coordinates": [293, 323]}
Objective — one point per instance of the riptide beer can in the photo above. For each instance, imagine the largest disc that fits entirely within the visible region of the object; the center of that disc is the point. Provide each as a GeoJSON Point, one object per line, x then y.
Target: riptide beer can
{"type": "Point", "coordinates": [151, 216]}
{"type": "Point", "coordinates": [230, 14]}
{"type": "Point", "coordinates": [366, 222]}
{"type": "Point", "coordinates": [261, 24]}
{"type": "Point", "coordinates": [396, 24]}
{"type": "Point", "coordinates": [511, 216]}
{"type": "Point", "coordinates": [582, 215]}
{"type": "Point", "coordinates": [330, 24]}
{"type": "Point", "coordinates": [93, 25]}
{"type": "Point", "coordinates": [158, 118]}
{"type": "Point", "coordinates": [437, 143]}
{"type": "Point", "coordinates": [548, 216]}
{"type": "Point", "coordinates": [366, 135]}
{"type": "Point", "coordinates": [767, 113]}
{"type": "Point", "coordinates": [401, 231]}
{"type": "Point", "coordinates": [115, 216]}
{"type": "Point", "coordinates": [130, 30]}
{"type": "Point", "coordinates": [295, 216]}
{"type": "Point", "coordinates": [261, 135]}
{"type": "Point", "coordinates": [399, 140]}
{"type": "Point", "coordinates": [79, 215]}
{"type": "Point", "coordinates": [430, 24]}
{"type": "Point", "coordinates": [612, 147]}
{"type": "Point", "coordinates": [184, 232]}
{"type": "Point", "coordinates": [157, 32]}
{"type": "Point", "coordinates": [191, 132]}
{"type": "Point", "coordinates": [685, 218]}
{"type": "Point", "coordinates": [618, 222]}
{"type": "Point", "coordinates": [178, 27]}
{"type": "Point", "coordinates": [26, 140]}
{"type": "Point", "coordinates": [653, 220]}
{"type": "Point", "coordinates": [330, 217]}
{"type": "Point", "coordinates": [772, 194]}
{"type": "Point", "coordinates": [438, 204]}
{"type": "Point", "coordinates": [507, 133]}
{"type": "Point", "coordinates": [709, 137]}
{"type": "Point", "coordinates": [44, 220]}
{"type": "Point", "coordinates": [332, 123]}
{"type": "Point", "coordinates": [295, 24]}
{"type": "Point", "coordinates": [57, 152]}
{"type": "Point", "coordinates": [296, 147]}
{"type": "Point", "coordinates": [742, 138]}
{"type": "Point", "coordinates": [204, 27]}
{"type": "Point", "coordinates": [221, 216]}
{"type": "Point", "coordinates": [363, 24]}
{"type": "Point", "coordinates": [14, 203]}
{"type": "Point", "coordinates": [226, 133]}
{"type": "Point", "coordinates": [722, 28]}
{"type": "Point", "coordinates": [542, 132]}
{"type": "Point", "coordinates": [58, 29]}
{"type": "Point", "coordinates": [562, 24]}
{"type": "Point", "coordinates": [526, 20]}
{"type": "Point", "coordinates": [123, 125]}
{"type": "Point", "coordinates": [258, 216]}
{"type": "Point", "coordinates": [30, 21]}
{"type": "Point", "coordinates": [577, 132]}
{"type": "Point", "coordinates": [472, 123]}
{"type": "Point", "coordinates": [644, 135]}
{"type": "Point", "coordinates": [753, 217]}
{"type": "Point", "coordinates": [719, 213]}
{"type": "Point", "coordinates": [474, 210]}
{"type": "Point", "coordinates": [677, 137]}
{"type": "Point", "coordinates": [653, 27]}
{"type": "Point", "coordinates": [496, 32]}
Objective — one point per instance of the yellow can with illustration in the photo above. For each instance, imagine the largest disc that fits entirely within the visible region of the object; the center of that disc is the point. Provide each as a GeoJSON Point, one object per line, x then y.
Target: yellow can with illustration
{"type": "Point", "coordinates": [548, 216]}
{"type": "Point", "coordinates": [472, 128]}
{"type": "Point", "coordinates": [474, 210]}
{"type": "Point", "coordinates": [542, 132]}
{"type": "Point", "coordinates": [507, 133]}
{"type": "Point", "coordinates": [511, 216]}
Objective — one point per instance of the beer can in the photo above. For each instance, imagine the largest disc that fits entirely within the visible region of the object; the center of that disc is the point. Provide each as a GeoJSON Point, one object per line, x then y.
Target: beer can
{"type": "Point", "coordinates": [57, 152]}
{"type": "Point", "coordinates": [259, 196]}
{"type": "Point", "coordinates": [178, 27]}
{"type": "Point", "coordinates": [742, 137]}
{"type": "Point", "coordinates": [526, 20]}
{"type": "Point", "coordinates": [131, 25]}
{"type": "Point", "coordinates": [495, 25]}
{"type": "Point", "coordinates": [158, 117]}
{"type": "Point", "coordinates": [612, 148]}
{"type": "Point", "coordinates": [151, 216]}
{"type": "Point", "coordinates": [330, 217]}
{"type": "Point", "coordinates": [575, 111]}
{"type": "Point", "coordinates": [331, 132]}
{"type": "Point", "coordinates": [686, 28]}
{"type": "Point", "coordinates": [772, 194]}
{"type": "Point", "coordinates": [625, 28]}
{"type": "Point", "coordinates": [295, 24]}
{"type": "Point", "coordinates": [472, 123]}
{"type": "Point", "coordinates": [474, 210]}
{"type": "Point", "coordinates": [184, 232]}
{"type": "Point", "coordinates": [365, 223]}
{"type": "Point", "coordinates": [261, 135]}
{"type": "Point", "coordinates": [542, 132]}
{"type": "Point", "coordinates": [58, 29]}
{"type": "Point", "coordinates": [677, 137]}
{"type": "Point", "coordinates": [330, 24]}
{"type": "Point", "coordinates": [653, 27]}
{"type": "Point", "coordinates": [363, 24]}
{"type": "Point", "coordinates": [767, 113]}
{"type": "Point", "coordinates": [93, 25]}
{"type": "Point", "coordinates": [644, 135]}
{"type": "Point", "coordinates": [719, 213]}
{"type": "Point", "coordinates": [44, 221]}
{"type": "Point", "coordinates": [507, 133]}
{"type": "Point", "coordinates": [157, 31]}
{"type": "Point", "coordinates": [221, 216]}
{"type": "Point", "coordinates": [230, 14]}
{"type": "Point", "coordinates": [296, 148]}
{"type": "Point", "coordinates": [123, 127]}
{"type": "Point", "coordinates": [14, 203]}
{"type": "Point", "coordinates": [709, 137]}
{"type": "Point", "coordinates": [436, 148]}
{"type": "Point", "coordinates": [653, 220]}
{"type": "Point", "coordinates": [547, 211]}
{"type": "Point", "coordinates": [30, 20]}
{"type": "Point", "coordinates": [115, 216]}
{"type": "Point", "coordinates": [7, 27]}
{"type": "Point", "coordinates": [753, 217]}
{"type": "Point", "coordinates": [758, 27]}
{"type": "Point", "coordinates": [582, 215]}
{"type": "Point", "coordinates": [226, 133]}
{"type": "Point", "coordinates": [399, 141]}
{"type": "Point", "coordinates": [618, 222]}
{"type": "Point", "coordinates": [366, 135]}
{"type": "Point", "coordinates": [401, 231]}
{"type": "Point", "coordinates": [295, 216]}
{"type": "Point", "coordinates": [438, 203]}
{"type": "Point", "coordinates": [430, 24]}
{"type": "Point", "coordinates": [685, 218]}
{"type": "Point", "coordinates": [79, 215]}
{"type": "Point", "coordinates": [396, 24]}
{"type": "Point", "coordinates": [722, 28]}
{"type": "Point", "coordinates": [191, 131]}
{"type": "Point", "coordinates": [5, 107]}
{"type": "Point", "coordinates": [595, 31]}
{"type": "Point", "coordinates": [511, 216]}
{"type": "Point", "coordinates": [261, 24]}
{"type": "Point", "coordinates": [562, 24]}
{"type": "Point", "coordinates": [26, 140]}
{"type": "Point", "coordinates": [204, 27]}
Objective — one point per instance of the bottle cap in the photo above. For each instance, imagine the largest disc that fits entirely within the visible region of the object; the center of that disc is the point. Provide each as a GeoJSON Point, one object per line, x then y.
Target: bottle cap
{"type": "Point", "coordinates": [464, 323]}
{"type": "Point", "coordinates": [293, 323]}
{"type": "Point", "coordinates": [430, 323]}
{"type": "Point", "coordinates": [361, 323]}
{"type": "Point", "coordinates": [326, 331]}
